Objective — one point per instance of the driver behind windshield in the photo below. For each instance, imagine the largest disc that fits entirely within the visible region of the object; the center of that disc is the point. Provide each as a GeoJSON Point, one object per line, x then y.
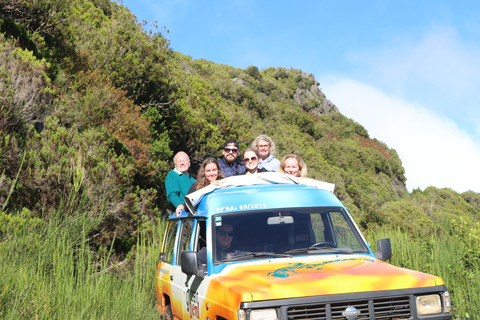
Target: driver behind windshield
{"type": "Point", "coordinates": [224, 236]}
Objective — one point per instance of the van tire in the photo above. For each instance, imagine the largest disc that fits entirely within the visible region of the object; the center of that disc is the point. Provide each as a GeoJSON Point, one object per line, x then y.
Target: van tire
{"type": "Point", "coordinates": [167, 315]}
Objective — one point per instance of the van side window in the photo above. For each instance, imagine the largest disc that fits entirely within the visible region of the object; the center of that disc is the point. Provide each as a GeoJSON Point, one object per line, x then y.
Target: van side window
{"type": "Point", "coordinates": [202, 235]}
{"type": "Point", "coordinates": [185, 236]}
{"type": "Point", "coordinates": [167, 254]}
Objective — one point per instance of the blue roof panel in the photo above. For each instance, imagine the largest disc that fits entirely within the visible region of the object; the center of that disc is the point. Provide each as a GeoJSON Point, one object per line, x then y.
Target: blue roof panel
{"type": "Point", "coordinates": [261, 197]}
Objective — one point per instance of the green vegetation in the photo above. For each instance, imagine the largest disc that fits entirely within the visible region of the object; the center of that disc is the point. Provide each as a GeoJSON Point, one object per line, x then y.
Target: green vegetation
{"type": "Point", "coordinates": [453, 257]}
{"type": "Point", "coordinates": [50, 272]}
{"type": "Point", "coordinates": [92, 110]}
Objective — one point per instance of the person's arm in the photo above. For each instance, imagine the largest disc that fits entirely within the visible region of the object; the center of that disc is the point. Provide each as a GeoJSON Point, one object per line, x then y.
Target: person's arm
{"type": "Point", "coordinates": [172, 187]}
{"type": "Point", "coordinates": [202, 256]}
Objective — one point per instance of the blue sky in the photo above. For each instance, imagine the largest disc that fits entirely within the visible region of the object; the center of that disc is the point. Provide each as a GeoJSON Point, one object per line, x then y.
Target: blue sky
{"type": "Point", "coordinates": [408, 71]}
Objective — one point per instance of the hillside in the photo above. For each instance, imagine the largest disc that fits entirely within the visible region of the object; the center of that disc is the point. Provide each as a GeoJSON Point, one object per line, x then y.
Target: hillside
{"type": "Point", "coordinates": [93, 108]}
{"type": "Point", "coordinates": [114, 103]}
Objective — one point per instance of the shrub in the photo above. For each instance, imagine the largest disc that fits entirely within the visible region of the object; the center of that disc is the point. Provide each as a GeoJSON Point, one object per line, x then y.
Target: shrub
{"type": "Point", "coordinates": [253, 72]}
{"type": "Point", "coordinates": [18, 224]}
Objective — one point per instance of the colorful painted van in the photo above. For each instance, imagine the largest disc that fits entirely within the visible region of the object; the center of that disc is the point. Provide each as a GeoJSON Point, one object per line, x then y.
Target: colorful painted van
{"type": "Point", "coordinates": [270, 246]}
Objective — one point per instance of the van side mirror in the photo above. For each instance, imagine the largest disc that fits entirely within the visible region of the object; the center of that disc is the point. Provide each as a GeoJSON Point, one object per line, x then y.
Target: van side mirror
{"type": "Point", "coordinates": [189, 263]}
{"type": "Point", "coordinates": [384, 249]}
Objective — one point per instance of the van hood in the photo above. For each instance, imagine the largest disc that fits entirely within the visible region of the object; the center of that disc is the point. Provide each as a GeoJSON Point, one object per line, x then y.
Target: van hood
{"type": "Point", "coordinates": [317, 275]}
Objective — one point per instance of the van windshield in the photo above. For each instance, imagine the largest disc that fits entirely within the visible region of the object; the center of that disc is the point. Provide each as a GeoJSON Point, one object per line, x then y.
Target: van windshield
{"type": "Point", "coordinates": [258, 234]}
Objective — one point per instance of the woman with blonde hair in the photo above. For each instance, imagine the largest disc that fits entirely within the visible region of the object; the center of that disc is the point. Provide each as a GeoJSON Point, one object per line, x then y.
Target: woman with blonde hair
{"type": "Point", "coordinates": [209, 171]}
{"type": "Point", "coordinates": [266, 148]}
{"type": "Point", "coordinates": [293, 165]}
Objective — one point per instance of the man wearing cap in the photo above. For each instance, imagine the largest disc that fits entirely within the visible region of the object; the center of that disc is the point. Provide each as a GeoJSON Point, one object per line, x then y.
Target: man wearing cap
{"type": "Point", "coordinates": [229, 164]}
{"type": "Point", "coordinates": [178, 181]}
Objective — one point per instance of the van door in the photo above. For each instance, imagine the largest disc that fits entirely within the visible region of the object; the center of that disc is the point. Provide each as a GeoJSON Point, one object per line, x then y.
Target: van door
{"type": "Point", "coordinates": [188, 292]}
{"type": "Point", "coordinates": [164, 266]}
{"type": "Point", "coordinates": [196, 286]}
{"type": "Point", "coordinates": [177, 277]}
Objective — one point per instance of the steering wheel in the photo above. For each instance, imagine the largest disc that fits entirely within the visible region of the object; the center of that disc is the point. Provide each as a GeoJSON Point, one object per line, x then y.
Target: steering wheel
{"type": "Point", "coordinates": [324, 244]}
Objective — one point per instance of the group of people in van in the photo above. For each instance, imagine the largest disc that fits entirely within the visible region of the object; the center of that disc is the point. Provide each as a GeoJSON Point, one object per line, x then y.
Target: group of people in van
{"type": "Point", "coordinates": [260, 157]}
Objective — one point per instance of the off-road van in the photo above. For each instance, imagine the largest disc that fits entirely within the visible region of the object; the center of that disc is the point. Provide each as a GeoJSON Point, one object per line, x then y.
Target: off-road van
{"type": "Point", "coordinates": [294, 253]}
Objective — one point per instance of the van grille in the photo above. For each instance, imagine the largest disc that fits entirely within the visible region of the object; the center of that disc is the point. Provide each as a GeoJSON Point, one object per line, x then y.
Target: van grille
{"type": "Point", "coordinates": [386, 309]}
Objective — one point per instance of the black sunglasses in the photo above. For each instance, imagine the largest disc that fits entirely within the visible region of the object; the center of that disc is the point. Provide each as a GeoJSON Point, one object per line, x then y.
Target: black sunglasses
{"type": "Point", "coordinates": [223, 233]}
{"type": "Point", "coordinates": [246, 160]}
{"type": "Point", "coordinates": [227, 150]}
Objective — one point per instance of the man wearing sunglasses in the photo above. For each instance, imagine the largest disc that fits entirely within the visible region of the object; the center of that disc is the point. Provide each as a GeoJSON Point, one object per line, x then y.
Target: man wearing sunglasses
{"type": "Point", "coordinates": [224, 238]}
{"type": "Point", "coordinates": [229, 164]}
{"type": "Point", "coordinates": [224, 235]}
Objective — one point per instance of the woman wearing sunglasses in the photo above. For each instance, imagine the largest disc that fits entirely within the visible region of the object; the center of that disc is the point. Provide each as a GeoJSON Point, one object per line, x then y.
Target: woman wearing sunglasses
{"type": "Point", "coordinates": [251, 157]}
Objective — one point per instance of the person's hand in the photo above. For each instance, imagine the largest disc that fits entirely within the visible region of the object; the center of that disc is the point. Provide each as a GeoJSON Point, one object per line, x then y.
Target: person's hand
{"type": "Point", "coordinates": [179, 209]}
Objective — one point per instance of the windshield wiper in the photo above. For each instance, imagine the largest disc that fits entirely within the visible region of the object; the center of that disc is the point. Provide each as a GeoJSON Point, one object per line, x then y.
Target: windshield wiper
{"type": "Point", "coordinates": [246, 255]}
{"type": "Point", "coordinates": [321, 250]}
{"type": "Point", "coordinates": [272, 254]}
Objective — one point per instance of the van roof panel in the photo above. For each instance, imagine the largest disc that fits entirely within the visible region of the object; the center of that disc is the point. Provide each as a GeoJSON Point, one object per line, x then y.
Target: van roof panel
{"type": "Point", "coordinates": [269, 190]}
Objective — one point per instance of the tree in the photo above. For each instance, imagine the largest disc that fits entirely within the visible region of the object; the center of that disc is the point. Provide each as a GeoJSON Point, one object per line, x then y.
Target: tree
{"type": "Point", "coordinates": [253, 72]}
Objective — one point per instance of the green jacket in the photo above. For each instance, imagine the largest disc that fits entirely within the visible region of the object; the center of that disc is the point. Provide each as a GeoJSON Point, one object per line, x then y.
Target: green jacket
{"type": "Point", "coordinates": [177, 185]}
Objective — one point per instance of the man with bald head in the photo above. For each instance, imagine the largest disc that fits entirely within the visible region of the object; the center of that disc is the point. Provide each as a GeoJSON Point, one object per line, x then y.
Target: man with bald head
{"type": "Point", "coordinates": [178, 181]}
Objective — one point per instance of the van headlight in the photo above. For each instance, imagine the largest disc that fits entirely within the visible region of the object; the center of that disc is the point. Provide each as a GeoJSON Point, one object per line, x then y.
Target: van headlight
{"type": "Point", "coordinates": [429, 304]}
{"type": "Point", "coordinates": [261, 314]}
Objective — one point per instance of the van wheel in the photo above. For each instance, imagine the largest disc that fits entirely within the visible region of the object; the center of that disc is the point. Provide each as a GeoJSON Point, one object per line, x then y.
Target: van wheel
{"type": "Point", "coordinates": [167, 315]}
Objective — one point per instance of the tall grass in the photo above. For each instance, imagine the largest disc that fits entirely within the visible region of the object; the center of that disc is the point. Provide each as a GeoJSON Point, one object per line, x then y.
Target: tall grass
{"type": "Point", "coordinates": [442, 255]}
{"type": "Point", "coordinates": [51, 273]}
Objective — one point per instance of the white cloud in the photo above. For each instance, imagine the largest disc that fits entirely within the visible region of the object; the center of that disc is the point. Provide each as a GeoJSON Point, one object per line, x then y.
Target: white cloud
{"type": "Point", "coordinates": [438, 59]}
{"type": "Point", "coordinates": [439, 68]}
{"type": "Point", "coordinates": [433, 150]}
